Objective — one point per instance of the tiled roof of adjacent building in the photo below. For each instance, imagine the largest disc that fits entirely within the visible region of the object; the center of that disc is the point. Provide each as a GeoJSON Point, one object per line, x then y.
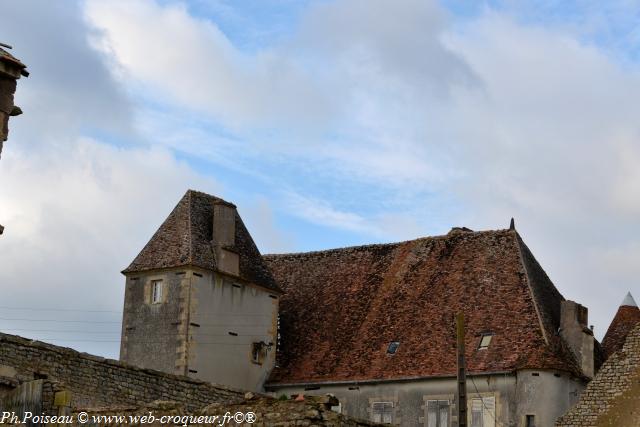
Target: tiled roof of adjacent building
{"type": "Point", "coordinates": [186, 238]}
{"type": "Point", "coordinates": [343, 307]}
{"type": "Point", "coordinates": [14, 62]}
{"type": "Point", "coordinates": [627, 317]}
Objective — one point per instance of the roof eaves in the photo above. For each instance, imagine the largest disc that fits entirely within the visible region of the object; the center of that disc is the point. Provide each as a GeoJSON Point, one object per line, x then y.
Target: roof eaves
{"type": "Point", "coordinates": [385, 380]}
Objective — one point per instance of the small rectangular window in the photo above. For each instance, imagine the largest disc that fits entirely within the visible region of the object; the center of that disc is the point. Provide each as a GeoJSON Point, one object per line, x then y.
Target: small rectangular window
{"type": "Point", "coordinates": [382, 412]}
{"type": "Point", "coordinates": [156, 291]}
{"type": "Point", "coordinates": [393, 347]}
{"type": "Point", "coordinates": [257, 352]}
{"type": "Point", "coordinates": [531, 421]}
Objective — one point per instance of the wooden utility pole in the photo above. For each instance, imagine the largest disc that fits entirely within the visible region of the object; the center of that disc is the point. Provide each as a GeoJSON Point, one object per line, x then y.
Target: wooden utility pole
{"type": "Point", "coordinates": [462, 372]}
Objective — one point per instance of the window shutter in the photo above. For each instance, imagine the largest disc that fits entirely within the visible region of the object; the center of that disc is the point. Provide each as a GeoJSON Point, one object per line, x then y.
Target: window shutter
{"type": "Point", "coordinates": [489, 411]}
{"type": "Point", "coordinates": [432, 413]}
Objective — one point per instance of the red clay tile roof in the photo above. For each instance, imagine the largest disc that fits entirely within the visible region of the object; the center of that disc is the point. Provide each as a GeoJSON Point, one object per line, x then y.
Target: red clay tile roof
{"type": "Point", "coordinates": [627, 317]}
{"type": "Point", "coordinates": [186, 238]}
{"type": "Point", "coordinates": [342, 308]}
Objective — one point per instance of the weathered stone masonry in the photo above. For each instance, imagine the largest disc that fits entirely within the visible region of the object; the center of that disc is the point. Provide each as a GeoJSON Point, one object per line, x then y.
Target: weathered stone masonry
{"type": "Point", "coordinates": [269, 412]}
{"type": "Point", "coordinates": [97, 382]}
{"type": "Point", "coordinates": [613, 397]}
{"type": "Point", "coordinates": [10, 71]}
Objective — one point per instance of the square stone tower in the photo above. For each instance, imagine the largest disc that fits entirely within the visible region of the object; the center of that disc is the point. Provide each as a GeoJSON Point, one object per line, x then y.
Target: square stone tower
{"type": "Point", "coordinates": [199, 300]}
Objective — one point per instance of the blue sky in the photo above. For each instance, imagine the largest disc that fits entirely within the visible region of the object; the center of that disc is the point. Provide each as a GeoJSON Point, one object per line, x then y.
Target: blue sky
{"type": "Point", "coordinates": [328, 124]}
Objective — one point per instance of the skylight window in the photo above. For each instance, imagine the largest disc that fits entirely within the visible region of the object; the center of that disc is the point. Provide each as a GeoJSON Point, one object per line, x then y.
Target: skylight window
{"type": "Point", "coordinates": [393, 347]}
{"type": "Point", "coordinates": [485, 340]}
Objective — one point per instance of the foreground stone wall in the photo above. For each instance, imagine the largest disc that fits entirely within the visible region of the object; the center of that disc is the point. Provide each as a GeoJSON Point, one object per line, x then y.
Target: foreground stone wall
{"type": "Point", "coordinates": [97, 382]}
{"type": "Point", "coordinates": [267, 412]}
{"type": "Point", "coordinates": [613, 397]}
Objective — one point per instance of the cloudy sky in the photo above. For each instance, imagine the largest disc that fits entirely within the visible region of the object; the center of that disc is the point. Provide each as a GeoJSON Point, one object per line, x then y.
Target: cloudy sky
{"type": "Point", "coordinates": [329, 123]}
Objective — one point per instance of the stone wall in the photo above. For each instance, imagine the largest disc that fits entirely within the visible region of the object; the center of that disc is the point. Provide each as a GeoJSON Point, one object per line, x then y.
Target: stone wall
{"type": "Point", "coordinates": [268, 412]}
{"type": "Point", "coordinates": [97, 382]}
{"type": "Point", "coordinates": [613, 397]}
{"type": "Point", "coordinates": [205, 327]}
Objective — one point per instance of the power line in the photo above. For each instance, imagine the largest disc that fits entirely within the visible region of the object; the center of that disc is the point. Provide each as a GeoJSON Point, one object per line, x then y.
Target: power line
{"type": "Point", "coordinates": [120, 312]}
{"type": "Point", "coordinates": [136, 342]}
{"type": "Point", "coordinates": [118, 333]}
{"type": "Point", "coordinates": [492, 413]}
{"type": "Point", "coordinates": [59, 309]}
{"type": "Point", "coordinates": [57, 320]}
{"type": "Point", "coordinates": [118, 322]}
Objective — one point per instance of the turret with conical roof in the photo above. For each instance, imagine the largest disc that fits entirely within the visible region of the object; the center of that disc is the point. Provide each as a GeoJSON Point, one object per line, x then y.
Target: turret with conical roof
{"type": "Point", "coordinates": [626, 318]}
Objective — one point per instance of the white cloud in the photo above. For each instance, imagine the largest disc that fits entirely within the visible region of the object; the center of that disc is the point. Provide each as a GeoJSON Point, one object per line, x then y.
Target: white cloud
{"type": "Point", "coordinates": [192, 61]}
{"type": "Point", "coordinates": [508, 119]}
{"type": "Point", "coordinates": [74, 219]}
{"type": "Point", "coordinates": [76, 209]}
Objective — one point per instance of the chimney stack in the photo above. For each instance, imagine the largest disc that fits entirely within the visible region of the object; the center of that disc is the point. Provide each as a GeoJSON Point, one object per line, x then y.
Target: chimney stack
{"type": "Point", "coordinates": [576, 332]}
{"type": "Point", "coordinates": [224, 238]}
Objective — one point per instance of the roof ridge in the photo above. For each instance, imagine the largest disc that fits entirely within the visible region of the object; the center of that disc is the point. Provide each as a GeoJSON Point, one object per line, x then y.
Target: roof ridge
{"type": "Point", "coordinates": [382, 245]}
{"type": "Point", "coordinates": [519, 242]}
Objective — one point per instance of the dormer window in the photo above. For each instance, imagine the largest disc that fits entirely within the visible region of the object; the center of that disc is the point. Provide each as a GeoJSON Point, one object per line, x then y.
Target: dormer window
{"type": "Point", "coordinates": [156, 292]}
{"type": "Point", "coordinates": [393, 347]}
{"type": "Point", "coordinates": [485, 340]}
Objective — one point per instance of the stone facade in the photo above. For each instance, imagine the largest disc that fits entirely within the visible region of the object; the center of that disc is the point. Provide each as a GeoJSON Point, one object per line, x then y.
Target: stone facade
{"type": "Point", "coordinates": [209, 321]}
{"type": "Point", "coordinates": [494, 400]}
{"type": "Point", "coordinates": [97, 382]}
{"type": "Point", "coordinates": [613, 397]}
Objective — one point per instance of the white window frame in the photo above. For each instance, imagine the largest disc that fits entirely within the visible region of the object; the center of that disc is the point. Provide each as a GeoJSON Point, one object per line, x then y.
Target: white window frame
{"type": "Point", "coordinates": [439, 422]}
{"type": "Point", "coordinates": [488, 337]}
{"type": "Point", "coordinates": [378, 417]}
{"type": "Point", "coordinates": [157, 292]}
{"type": "Point", "coordinates": [487, 407]}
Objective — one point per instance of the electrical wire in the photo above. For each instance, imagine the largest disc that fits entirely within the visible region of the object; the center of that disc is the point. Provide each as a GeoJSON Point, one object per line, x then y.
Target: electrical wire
{"type": "Point", "coordinates": [111, 321]}
{"type": "Point", "coordinates": [492, 413]}
{"type": "Point", "coordinates": [121, 311]}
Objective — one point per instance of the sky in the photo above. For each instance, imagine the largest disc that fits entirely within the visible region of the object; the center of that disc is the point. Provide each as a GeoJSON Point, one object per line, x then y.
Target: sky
{"type": "Point", "coordinates": [329, 124]}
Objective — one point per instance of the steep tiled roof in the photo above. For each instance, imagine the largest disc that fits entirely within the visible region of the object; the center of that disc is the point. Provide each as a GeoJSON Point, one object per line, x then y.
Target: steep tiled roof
{"type": "Point", "coordinates": [342, 308]}
{"type": "Point", "coordinates": [627, 317]}
{"type": "Point", "coordinates": [186, 238]}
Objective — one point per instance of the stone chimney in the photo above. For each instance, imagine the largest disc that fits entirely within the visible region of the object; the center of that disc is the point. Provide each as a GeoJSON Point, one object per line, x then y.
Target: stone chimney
{"type": "Point", "coordinates": [224, 238]}
{"type": "Point", "coordinates": [10, 71]}
{"type": "Point", "coordinates": [575, 331]}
